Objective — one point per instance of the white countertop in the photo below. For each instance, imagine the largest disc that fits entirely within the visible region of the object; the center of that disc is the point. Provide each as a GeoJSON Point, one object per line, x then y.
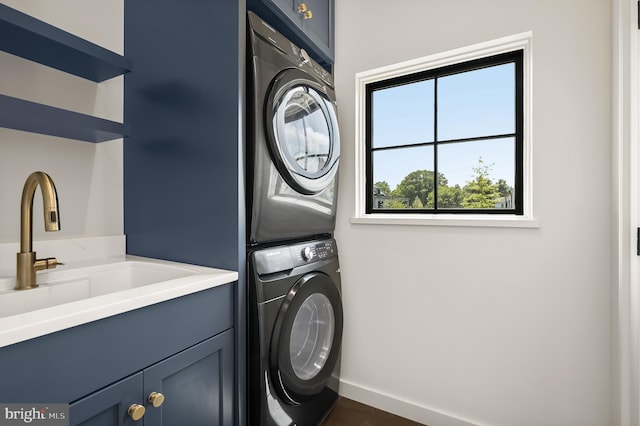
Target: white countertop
{"type": "Point", "coordinates": [23, 326]}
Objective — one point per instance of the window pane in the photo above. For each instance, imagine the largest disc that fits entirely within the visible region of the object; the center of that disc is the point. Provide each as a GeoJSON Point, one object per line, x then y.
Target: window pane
{"type": "Point", "coordinates": [478, 174]}
{"type": "Point", "coordinates": [403, 178]}
{"type": "Point", "coordinates": [477, 103]}
{"type": "Point", "coordinates": [403, 115]}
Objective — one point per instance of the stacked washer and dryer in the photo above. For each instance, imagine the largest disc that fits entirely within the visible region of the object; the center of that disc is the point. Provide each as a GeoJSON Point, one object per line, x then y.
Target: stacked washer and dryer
{"type": "Point", "coordinates": [294, 293]}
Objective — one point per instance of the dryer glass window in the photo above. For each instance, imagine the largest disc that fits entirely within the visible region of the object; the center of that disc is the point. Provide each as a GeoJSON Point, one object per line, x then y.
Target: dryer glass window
{"type": "Point", "coordinates": [302, 126]}
{"type": "Point", "coordinates": [311, 336]}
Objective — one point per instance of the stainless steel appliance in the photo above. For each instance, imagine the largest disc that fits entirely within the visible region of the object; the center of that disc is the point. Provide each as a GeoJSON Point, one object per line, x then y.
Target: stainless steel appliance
{"type": "Point", "coordinates": [295, 333]}
{"type": "Point", "coordinates": [293, 141]}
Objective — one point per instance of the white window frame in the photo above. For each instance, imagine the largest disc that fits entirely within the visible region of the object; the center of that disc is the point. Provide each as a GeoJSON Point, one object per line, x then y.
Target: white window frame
{"type": "Point", "coordinates": [522, 42]}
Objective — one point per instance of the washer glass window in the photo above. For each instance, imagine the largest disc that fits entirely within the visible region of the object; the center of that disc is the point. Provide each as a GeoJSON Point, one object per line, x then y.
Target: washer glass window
{"type": "Point", "coordinates": [311, 336]}
{"type": "Point", "coordinates": [302, 126]}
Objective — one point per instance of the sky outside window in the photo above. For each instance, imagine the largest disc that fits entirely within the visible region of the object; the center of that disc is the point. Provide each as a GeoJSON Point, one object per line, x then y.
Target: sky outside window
{"type": "Point", "coordinates": [477, 103]}
{"type": "Point", "coordinates": [471, 104]}
{"type": "Point", "coordinates": [404, 114]}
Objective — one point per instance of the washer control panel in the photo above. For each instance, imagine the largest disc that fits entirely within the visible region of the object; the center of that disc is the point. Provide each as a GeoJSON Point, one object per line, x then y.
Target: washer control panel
{"type": "Point", "coordinates": [307, 253]}
{"type": "Point", "coordinates": [282, 258]}
{"type": "Point", "coordinates": [313, 252]}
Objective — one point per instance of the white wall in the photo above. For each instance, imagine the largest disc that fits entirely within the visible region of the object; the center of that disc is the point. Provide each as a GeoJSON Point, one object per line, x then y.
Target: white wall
{"type": "Point", "coordinates": [88, 176]}
{"type": "Point", "coordinates": [493, 326]}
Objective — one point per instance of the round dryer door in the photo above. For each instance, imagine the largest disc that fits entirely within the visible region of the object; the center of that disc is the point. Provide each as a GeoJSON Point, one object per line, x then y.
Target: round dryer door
{"type": "Point", "coordinates": [303, 134]}
{"type": "Point", "coordinates": [307, 337]}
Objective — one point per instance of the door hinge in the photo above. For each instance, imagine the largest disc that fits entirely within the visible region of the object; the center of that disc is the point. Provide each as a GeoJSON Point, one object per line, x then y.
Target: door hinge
{"type": "Point", "coordinates": [638, 10]}
{"type": "Point", "coordinates": [638, 242]}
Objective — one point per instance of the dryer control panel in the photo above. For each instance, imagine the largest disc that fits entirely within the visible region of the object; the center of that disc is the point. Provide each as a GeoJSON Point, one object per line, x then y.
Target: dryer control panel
{"type": "Point", "coordinates": [316, 251]}
{"type": "Point", "coordinates": [282, 258]}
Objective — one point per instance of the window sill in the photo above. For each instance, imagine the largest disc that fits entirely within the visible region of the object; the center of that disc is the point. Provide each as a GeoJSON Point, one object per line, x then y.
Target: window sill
{"type": "Point", "coordinates": [496, 221]}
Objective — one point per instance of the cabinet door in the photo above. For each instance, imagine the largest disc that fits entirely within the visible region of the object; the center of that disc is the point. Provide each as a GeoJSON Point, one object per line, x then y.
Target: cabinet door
{"type": "Point", "coordinates": [319, 27]}
{"type": "Point", "coordinates": [314, 34]}
{"type": "Point", "coordinates": [109, 406]}
{"type": "Point", "coordinates": [197, 385]}
{"type": "Point", "coordinates": [289, 8]}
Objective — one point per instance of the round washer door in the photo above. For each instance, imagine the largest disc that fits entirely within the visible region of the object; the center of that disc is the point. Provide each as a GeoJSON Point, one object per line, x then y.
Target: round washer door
{"type": "Point", "coordinates": [306, 339]}
{"type": "Point", "coordinates": [302, 130]}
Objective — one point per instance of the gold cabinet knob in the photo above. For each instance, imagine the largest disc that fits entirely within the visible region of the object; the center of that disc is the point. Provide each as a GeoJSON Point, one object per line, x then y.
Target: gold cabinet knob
{"type": "Point", "coordinates": [302, 8]}
{"type": "Point", "coordinates": [156, 399]}
{"type": "Point", "coordinates": [136, 412]}
{"type": "Point", "coordinates": [308, 15]}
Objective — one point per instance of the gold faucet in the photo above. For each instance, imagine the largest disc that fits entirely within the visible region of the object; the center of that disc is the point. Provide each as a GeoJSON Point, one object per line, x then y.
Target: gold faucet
{"type": "Point", "coordinates": [27, 262]}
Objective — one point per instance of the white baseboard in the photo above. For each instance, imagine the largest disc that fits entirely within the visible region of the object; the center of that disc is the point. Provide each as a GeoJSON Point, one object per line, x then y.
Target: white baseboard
{"type": "Point", "coordinates": [407, 409]}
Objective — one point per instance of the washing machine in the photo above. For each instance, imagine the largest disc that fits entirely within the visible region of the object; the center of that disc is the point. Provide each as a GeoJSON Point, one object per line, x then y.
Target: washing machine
{"type": "Point", "coordinates": [293, 140]}
{"type": "Point", "coordinates": [295, 333]}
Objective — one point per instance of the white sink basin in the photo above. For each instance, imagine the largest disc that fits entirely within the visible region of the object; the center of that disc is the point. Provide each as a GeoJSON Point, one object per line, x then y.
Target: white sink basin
{"type": "Point", "coordinates": [72, 295]}
{"type": "Point", "coordinates": [60, 286]}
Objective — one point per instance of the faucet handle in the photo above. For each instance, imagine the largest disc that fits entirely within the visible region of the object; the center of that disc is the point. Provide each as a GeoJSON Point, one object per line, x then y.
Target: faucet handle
{"type": "Point", "coordinates": [48, 263]}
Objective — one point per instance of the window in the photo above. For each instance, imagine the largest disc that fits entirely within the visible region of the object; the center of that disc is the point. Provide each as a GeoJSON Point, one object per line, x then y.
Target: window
{"type": "Point", "coordinates": [447, 140]}
{"type": "Point", "coordinates": [445, 136]}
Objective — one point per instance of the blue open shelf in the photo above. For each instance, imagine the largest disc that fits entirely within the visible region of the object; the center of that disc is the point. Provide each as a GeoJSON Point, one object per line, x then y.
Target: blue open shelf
{"type": "Point", "coordinates": [25, 36]}
{"type": "Point", "coordinates": [32, 117]}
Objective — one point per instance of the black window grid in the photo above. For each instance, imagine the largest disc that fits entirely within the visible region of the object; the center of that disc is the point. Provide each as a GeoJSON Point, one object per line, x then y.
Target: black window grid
{"type": "Point", "coordinates": [515, 57]}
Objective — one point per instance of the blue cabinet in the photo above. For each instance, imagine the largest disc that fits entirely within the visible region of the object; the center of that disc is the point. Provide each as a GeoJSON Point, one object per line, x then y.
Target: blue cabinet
{"type": "Point", "coordinates": [103, 367]}
{"type": "Point", "coordinates": [307, 23]}
{"type": "Point", "coordinates": [109, 406]}
{"type": "Point", "coordinates": [37, 41]}
{"type": "Point", "coordinates": [183, 159]}
{"type": "Point", "coordinates": [196, 385]}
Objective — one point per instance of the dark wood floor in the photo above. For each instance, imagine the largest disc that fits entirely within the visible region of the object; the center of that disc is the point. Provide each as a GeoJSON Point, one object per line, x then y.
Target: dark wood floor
{"type": "Point", "coordinates": [351, 413]}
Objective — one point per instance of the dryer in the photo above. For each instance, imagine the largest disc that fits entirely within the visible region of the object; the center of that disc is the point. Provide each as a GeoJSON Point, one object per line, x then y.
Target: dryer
{"type": "Point", "coordinates": [293, 140]}
{"type": "Point", "coordinates": [295, 333]}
